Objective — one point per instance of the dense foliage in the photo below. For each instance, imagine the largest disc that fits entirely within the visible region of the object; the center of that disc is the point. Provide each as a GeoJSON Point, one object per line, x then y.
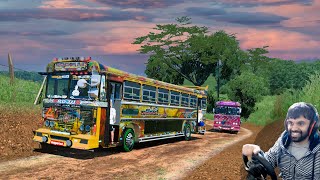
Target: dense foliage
{"type": "Point", "coordinates": [183, 51]}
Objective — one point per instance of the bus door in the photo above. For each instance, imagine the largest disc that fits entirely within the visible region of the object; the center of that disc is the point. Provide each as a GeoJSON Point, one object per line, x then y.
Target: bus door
{"type": "Point", "coordinates": [115, 89]}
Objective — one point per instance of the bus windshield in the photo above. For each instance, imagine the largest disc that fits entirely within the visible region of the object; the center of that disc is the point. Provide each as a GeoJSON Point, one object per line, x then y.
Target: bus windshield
{"type": "Point", "coordinates": [227, 110]}
{"type": "Point", "coordinates": [57, 86]}
{"type": "Point", "coordinates": [73, 86]}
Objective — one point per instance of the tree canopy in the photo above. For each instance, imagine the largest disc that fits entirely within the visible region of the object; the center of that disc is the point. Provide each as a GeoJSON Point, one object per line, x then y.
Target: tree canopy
{"type": "Point", "coordinates": [183, 51]}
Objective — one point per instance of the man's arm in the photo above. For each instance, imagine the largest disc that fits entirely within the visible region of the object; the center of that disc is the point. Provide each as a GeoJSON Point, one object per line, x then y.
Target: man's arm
{"type": "Point", "coordinates": [273, 153]}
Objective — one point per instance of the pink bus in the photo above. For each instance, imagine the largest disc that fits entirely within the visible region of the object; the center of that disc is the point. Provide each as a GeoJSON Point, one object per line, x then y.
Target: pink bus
{"type": "Point", "coordinates": [227, 116]}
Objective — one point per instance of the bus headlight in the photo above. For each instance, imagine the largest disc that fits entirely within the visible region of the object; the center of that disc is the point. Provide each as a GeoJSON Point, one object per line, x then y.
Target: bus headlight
{"type": "Point", "coordinates": [88, 128]}
{"type": "Point", "coordinates": [52, 124]}
{"type": "Point", "coordinates": [81, 127]}
{"type": "Point", "coordinates": [47, 123]}
{"type": "Point", "coordinates": [44, 139]}
{"type": "Point", "coordinates": [69, 143]}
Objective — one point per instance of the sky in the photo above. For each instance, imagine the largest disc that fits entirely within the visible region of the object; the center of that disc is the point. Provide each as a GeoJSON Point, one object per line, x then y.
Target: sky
{"type": "Point", "coordinates": [36, 31]}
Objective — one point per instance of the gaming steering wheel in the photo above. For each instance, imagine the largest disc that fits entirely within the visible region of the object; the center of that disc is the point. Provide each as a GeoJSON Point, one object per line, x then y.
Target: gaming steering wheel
{"type": "Point", "coordinates": [263, 161]}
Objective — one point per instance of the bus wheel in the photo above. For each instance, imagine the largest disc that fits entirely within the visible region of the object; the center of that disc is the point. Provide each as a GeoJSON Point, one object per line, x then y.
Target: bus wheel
{"type": "Point", "coordinates": [234, 132]}
{"type": "Point", "coordinates": [187, 132]}
{"type": "Point", "coordinates": [128, 140]}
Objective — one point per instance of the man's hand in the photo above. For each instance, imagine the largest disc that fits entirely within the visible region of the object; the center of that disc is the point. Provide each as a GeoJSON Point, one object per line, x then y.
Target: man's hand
{"type": "Point", "coordinates": [249, 149]}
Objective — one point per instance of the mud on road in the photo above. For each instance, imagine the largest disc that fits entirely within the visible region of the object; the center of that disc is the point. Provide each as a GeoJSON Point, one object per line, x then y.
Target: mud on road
{"type": "Point", "coordinates": [169, 159]}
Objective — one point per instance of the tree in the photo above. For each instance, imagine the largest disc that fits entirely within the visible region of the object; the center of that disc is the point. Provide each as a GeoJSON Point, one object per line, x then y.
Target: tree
{"type": "Point", "coordinates": [288, 75]}
{"type": "Point", "coordinates": [158, 69]}
{"type": "Point", "coordinates": [247, 89]}
{"type": "Point", "coordinates": [185, 51]}
{"type": "Point", "coordinates": [257, 61]}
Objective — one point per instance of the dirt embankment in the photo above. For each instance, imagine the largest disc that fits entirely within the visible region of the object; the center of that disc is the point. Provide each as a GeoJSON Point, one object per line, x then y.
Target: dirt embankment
{"type": "Point", "coordinates": [228, 164]}
{"type": "Point", "coordinates": [16, 133]}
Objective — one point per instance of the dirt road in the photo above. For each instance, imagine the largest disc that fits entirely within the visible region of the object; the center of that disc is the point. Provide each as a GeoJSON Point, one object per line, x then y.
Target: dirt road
{"type": "Point", "coordinates": [170, 159]}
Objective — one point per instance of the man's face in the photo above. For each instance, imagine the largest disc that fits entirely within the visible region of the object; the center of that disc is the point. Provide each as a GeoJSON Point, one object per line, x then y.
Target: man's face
{"type": "Point", "coordinates": [298, 128]}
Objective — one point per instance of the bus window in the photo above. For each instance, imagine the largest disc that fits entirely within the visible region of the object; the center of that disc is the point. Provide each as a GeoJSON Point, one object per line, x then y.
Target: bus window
{"type": "Point", "coordinates": [57, 86]}
{"type": "Point", "coordinates": [203, 103]}
{"type": "Point", "coordinates": [184, 99]}
{"type": "Point", "coordinates": [80, 86]}
{"type": "Point", "coordinates": [193, 101]}
{"type": "Point", "coordinates": [174, 98]}
{"type": "Point", "coordinates": [149, 94]}
{"type": "Point", "coordinates": [131, 91]}
{"type": "Point", "coordinates": [163, 96]}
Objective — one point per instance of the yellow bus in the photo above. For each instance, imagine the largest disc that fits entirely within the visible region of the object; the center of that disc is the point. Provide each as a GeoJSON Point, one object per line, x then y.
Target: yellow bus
{"type": "Point", "coordinates": [78, 92]}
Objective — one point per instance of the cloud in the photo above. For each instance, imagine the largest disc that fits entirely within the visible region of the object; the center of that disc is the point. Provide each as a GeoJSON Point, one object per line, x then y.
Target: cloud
{"type": "Point", "coordinates": [61, 4]}
{"type": "Point", "coordinates": [202, 11]}
{"type": "Point", "coordinates": [113, 38]}
{"type": "Point", "coordinates": [281, 43]}
{"type": "Point", "coordinates": [36, 33]}
{"type": "Point", "coordinates": [262, 3]}
{"type": "Point", "coordinates": [244, 18]}
{"type": "Point", "coordinates": [251, 19]}
{"type": "Point", "coordinates": [148, 4]}
{"type": "Point", "coordinates": [301, 18]}
{"type": "Point", "coordinates": [73, 15]}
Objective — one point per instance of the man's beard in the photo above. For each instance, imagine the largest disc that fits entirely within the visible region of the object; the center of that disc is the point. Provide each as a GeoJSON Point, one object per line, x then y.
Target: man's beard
{"type": "Point", "coordinates": [299, 138]}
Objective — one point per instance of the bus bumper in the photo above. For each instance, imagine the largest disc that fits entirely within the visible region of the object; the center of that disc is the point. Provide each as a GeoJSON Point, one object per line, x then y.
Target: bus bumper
{"type": "Point", "coordinates": [79, 141]}
{"type": "Point", "coordinates": [226, 128]}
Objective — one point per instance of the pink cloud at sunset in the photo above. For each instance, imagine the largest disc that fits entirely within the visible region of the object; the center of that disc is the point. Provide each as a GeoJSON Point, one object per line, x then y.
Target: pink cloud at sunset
{"type": "Point", "coordinates": [117, 38]}
{"type": "Point", "coordinates": [67, 4]}
{"type": "Point", "coordinates": [61, 4]}
{"type": "Point", "coordinates": [298, 12]}
{"type": "Point", "coordinates": [278, 41]}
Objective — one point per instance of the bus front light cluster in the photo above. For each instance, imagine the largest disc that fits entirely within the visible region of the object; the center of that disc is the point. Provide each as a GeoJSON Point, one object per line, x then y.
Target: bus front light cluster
{"type": "Point", "coordinates": [52, 124]}
{"type": "Point", "coordinates": [81, 127]}
{"type": "Point", "coordinates": [69, 143]}
{"type": "Point", "coordinates": [47, 123]}
{"type": "Point", "coordinates": [88, 128]}
{"type": "Point", "coordinates": [44, 139]}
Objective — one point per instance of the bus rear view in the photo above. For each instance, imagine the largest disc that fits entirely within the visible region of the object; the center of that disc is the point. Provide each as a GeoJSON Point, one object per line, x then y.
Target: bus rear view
{"type": "Point", "coordinates": [227, 116]}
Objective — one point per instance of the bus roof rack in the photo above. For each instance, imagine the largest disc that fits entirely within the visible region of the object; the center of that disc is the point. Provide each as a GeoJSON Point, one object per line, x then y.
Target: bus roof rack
{"type": "Point", "coordinates": [198, 87]}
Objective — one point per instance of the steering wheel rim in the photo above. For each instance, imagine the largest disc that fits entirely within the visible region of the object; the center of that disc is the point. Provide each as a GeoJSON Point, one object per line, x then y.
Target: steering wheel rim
{"type": "Point", "coordinates": [261, 159]}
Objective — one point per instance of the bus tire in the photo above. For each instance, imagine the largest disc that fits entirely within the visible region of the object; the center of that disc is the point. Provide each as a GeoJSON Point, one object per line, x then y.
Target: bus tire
{"type": "Point", "coordinates": [187, 132]}
{"type": "Point", "coordinates": [128, 140]}
{"type": "Point", "coordinates": [234, 132]}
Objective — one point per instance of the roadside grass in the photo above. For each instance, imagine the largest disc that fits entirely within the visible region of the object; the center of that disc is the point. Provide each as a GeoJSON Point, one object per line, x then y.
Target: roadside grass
{"type": "Point", "coordinates": [273, 108]}
{"type": "Point", "coordinates": [209, 116]}
{"type": "Point", "coordinates": [263, 113]}
{"type": "Point", "coordinates": [18, 97]}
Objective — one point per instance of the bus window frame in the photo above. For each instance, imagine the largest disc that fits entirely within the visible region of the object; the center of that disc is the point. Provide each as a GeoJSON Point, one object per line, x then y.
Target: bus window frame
{"type": "Point", "coordinates": [175, 94]}
{"type": "Point", "coordinates": [145, 89]}
{"type": "Point", "coordinates": [164, 101]}
{"type": "Point", "coordinates": [132, 88]}
{"type": "Point", "coordinates": [193, 101]}
{"type": "Point", "coordinates": [186, 97]}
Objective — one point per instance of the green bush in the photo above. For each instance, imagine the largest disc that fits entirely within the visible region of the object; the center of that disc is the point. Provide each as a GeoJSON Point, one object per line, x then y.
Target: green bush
{"type": "Point", "coordinates": [263, 113]}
